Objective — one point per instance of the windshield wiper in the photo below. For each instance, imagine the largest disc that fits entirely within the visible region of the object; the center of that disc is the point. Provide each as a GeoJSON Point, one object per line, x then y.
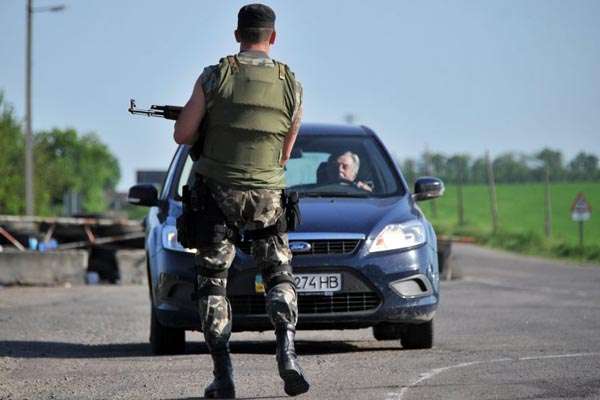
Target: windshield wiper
{"type": "Point", "coordinates": [333, 194]}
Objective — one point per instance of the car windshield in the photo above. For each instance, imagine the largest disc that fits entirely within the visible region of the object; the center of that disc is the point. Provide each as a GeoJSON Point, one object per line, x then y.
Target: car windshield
{"type": "Point", "coordinates": [340, 166]}
{"type": "Point", "coordinates": [334, 166]}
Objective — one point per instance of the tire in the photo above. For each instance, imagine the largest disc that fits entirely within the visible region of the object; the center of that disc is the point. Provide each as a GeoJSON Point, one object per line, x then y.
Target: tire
{"type": "Point", "coordinates": [417, 336]}
{"type": "Point", "coordinates": [164, 340]}
{"type": "Point", "coordinates": [387, 331]}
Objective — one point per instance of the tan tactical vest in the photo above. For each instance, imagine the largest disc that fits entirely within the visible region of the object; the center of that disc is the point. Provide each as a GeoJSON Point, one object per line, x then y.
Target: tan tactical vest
{"type": "Point", "coordinates": [248, 118]}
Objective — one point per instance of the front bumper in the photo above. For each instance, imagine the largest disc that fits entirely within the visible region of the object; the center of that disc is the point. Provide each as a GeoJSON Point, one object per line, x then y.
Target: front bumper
{"type": "Point", "coordinates": [366, 299]}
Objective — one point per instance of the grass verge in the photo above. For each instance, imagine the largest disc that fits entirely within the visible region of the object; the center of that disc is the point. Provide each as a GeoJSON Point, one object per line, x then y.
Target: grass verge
{"type": "Point", "coordinates": [530, 243]}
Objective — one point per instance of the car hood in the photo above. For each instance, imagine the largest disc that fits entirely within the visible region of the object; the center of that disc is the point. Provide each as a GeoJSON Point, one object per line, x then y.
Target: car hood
{"type": "Point", "coordinates": [351, 215]}
{"type": "Point", "coordinates": [343, 215]}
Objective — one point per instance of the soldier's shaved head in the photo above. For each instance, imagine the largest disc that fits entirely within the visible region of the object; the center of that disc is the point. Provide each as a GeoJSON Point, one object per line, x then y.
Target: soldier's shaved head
{"type": "Point", "coordinates": [256, 24]}
{"type": "Point", "coordinates": [254, 35]}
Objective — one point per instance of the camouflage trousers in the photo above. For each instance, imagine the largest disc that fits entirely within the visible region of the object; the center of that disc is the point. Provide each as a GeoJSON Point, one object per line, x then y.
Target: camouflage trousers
{"type": "Point", "coordinates": [245, 209]}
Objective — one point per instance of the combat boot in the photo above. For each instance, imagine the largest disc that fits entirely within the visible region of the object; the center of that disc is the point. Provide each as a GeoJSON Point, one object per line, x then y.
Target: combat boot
{"type": "Point", "coordinates": [287, 361]}
{"type": "Point", "coordinates": [222, 386]}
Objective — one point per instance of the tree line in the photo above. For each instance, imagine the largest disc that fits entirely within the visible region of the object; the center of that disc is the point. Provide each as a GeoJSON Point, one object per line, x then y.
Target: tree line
{"type": "Point", "coordinates": [509, 167]}
{"type": "Point", "coordinates": [64, 161]}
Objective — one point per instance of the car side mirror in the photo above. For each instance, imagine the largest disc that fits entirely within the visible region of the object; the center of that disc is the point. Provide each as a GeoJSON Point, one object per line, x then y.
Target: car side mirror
{"type": "Point", "coordinates": [428, 187]}
{"type": "Point", "coordinates": [143, 195]}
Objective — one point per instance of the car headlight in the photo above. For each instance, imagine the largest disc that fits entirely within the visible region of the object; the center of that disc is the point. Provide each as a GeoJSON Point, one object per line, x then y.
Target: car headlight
{"type": "Point", "coordinates": [169, 240]}
{"type": "Point", "coordinates": [399, 236]}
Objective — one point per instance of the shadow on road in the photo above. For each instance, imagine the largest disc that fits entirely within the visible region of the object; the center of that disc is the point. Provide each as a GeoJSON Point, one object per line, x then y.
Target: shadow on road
{"type": "Point", "coordinates": [39, 349]}
{"type": "Point", "coordinates": [238, 398]}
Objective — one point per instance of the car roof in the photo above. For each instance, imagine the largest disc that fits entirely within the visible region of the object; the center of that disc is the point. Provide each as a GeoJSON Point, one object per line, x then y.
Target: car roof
{"type": "Point", "coordinates": [314, 129]}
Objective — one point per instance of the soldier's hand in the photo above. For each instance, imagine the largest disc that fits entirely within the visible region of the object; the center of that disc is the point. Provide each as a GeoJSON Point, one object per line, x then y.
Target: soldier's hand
{"type": "Point", "coordinates": [283, 160]}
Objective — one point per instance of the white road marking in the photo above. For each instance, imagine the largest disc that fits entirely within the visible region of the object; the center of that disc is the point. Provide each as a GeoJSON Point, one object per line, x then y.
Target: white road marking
{"type": "Point", "coordinates": [436, 371]}
{"type": "Point", "coordinates": [558, 356]}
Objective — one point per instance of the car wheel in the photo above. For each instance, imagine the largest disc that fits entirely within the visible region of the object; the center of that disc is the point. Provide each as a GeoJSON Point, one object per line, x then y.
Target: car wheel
{"type": "Point", "coordinates": [417, 336]}
{"type": "Point", "coordinates": [164, 340]}
{"type": "Point", "coordinates": [387, 331]}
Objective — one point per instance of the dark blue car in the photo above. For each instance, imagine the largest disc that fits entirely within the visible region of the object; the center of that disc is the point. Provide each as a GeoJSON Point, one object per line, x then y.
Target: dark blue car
{"type": "Point", "coordinates": [364, 254]}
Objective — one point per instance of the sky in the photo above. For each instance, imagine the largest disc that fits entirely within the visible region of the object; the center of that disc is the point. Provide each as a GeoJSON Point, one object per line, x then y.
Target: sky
{"type": "Point", "coordinates": [450, 76]}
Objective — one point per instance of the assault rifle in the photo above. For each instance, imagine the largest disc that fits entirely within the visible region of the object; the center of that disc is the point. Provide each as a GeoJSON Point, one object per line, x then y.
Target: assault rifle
{"type": "Point", "coordinates": [172, 113]}
{"type": "Point", "coordinates": [167, 112]}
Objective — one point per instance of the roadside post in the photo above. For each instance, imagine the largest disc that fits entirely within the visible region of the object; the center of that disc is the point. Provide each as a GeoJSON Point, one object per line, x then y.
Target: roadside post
{"type": "Point", "coordinates": [492, 189]}
{"type": "Point", "coordinates": [547, 205]}
{"type": "Point", "coordinates": [580, 212]}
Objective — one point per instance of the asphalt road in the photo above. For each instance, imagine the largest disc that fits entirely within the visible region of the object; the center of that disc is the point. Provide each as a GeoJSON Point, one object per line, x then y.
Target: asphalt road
{"type": "Point", "coordinates": [514, 328]}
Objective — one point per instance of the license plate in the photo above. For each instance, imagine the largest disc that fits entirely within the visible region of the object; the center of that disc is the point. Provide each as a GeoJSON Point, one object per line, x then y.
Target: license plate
{"type": "Point", "coordinates": [318, 282]}
{"type": "Point", "coordinates": [309, 283]}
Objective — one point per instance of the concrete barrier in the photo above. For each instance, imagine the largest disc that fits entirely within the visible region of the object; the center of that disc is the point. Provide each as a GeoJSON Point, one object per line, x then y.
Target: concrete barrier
{"type": "Point", "coordinates": [43, 269]}
{"type": "Point", "coordinates": [132, 266]}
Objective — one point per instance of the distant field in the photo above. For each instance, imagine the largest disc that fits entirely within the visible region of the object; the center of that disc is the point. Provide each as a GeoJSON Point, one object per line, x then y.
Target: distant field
{"type": "Point", "coordinates": [520, 209]}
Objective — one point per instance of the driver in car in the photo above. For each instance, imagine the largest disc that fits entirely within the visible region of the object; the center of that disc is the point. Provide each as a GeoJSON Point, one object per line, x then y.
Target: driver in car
{"type": "Point", "coordinates": [345, 169]}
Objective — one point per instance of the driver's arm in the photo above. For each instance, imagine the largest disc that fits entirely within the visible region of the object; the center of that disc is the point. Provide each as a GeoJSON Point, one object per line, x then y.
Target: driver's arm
{"type": "Point", "coordinates": [186, 126]}
{"type": "Point", "coordinates": [364, 186]}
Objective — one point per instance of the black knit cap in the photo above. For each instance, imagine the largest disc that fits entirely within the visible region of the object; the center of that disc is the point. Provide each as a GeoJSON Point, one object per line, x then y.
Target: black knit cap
{"type": "Point", "coordinates": [256, 16]}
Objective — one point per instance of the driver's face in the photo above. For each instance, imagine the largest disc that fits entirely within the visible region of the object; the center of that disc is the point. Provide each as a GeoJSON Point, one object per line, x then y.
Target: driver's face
{"type": "Point", "coordinates": [346, 168]}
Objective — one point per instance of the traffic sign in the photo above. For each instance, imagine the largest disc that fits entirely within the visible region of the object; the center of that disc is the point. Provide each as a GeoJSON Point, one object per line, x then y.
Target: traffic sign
{"type": "Point", "coordinates": [580, 209]}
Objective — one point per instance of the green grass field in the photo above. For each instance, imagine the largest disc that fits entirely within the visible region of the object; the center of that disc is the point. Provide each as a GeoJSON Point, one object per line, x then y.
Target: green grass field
{"type": "Point", "coordinates": [521, 212]}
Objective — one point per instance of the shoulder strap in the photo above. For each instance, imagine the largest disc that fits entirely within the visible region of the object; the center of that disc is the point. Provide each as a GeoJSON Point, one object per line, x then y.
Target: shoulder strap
{"type": "Point", "coordinates": [284, 70]}
{"type": "Point", "coordinates": [281, 71]}
{"type": "Point", "coordinates": [233, 63]}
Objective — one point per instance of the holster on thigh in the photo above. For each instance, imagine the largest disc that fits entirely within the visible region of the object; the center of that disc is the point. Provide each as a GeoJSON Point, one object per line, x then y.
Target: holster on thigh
{"type": "Point", "coordinates": [292, 216]}
{"type": "Point", "coordinates": [202, 222]}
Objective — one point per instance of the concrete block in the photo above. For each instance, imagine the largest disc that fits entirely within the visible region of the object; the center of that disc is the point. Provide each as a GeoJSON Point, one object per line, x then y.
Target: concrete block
{"type": "Point", "coordinates": [43, 269]}
{"type": "Point", "coordinates": [132, 267]}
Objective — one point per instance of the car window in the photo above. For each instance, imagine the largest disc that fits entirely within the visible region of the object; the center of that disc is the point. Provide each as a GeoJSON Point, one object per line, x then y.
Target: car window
{"type": "Point", "coordinates": [340, 165]}
{"type": "Point", "coordinates": [301, 171]}
{"type": "Point", "coordinates": [184, 176]}
{"type": "Point", "coordinates": [171, 176]}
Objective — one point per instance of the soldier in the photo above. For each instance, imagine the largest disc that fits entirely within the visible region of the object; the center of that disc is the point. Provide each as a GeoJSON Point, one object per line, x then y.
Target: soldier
{"type": "Point", "coordinates": [250, 108]}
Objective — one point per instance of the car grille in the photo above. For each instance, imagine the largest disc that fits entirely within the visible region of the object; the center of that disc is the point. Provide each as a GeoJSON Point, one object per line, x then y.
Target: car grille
{"type": "Point", "coordinates": [312, 304]}
{"type": "Point", "coordinates": [341, 246]}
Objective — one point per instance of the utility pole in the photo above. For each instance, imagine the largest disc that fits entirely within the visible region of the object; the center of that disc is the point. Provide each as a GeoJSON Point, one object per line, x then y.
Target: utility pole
{"type": "Point", "coordinates": [29, 192]}
{"type": "Point", "coordinates": [28, 134]}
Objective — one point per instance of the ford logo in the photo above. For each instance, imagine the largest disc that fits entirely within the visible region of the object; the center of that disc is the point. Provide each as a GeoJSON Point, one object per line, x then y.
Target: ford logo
{"type": "Point", "coordinates": [300, 247]}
